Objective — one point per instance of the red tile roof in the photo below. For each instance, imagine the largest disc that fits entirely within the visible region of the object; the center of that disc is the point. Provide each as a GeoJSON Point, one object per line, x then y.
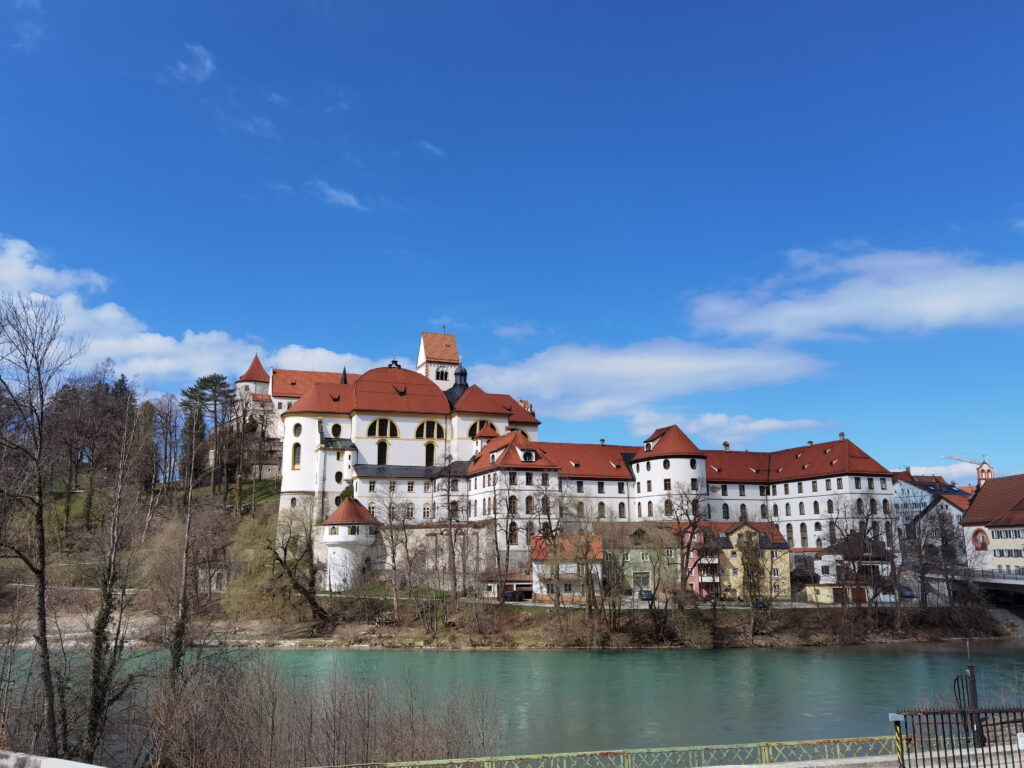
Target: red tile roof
{"type": "Point", "coordinates": [728, 528]}
{"type": "Point", "coordinates": [569, 547]}
{"type": "Point", "coordinates": [507, 450]}
{"type": "Point", "coordinates": [259, 398]}
{"type": "Point", "coordinates": [393, 390]}
{"type": "Point", "coordinates": [475, 400]}
{"type": "Point", "coordinates": [960, 500]}
{"type": "Point", "coordinates": [838, 457]}
{"type": "Point", "coordinates": [350, 512]}
{"type": "Point", "coordinates": [589, 460]}
{"type": "Point", "coordinates": [255, 372]}
{"type": "Point", "coordinates": [669, 441]}
{"type": "Point", "coordinates": [1000, 501]}
{"type": "Point", "coordinates": [290, 383]}
{"type": "Point", "coordinates": [486, 432]}
{"type": "Point", "coordinates": [440, 347]}
{"type": "Point", "coordinates": [325, 398]}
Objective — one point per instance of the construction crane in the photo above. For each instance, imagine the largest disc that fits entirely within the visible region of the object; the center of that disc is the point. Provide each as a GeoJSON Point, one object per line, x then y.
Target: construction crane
{"type": "Point", "coordinates": [984, 460]}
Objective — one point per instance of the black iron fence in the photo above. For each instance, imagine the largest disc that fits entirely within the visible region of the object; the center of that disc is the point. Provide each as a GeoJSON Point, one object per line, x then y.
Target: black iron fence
{"type": "Point", "coordinates": [987, 738]}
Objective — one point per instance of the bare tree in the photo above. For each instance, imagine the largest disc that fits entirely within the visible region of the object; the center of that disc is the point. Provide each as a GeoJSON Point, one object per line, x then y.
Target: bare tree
{"type": "Point", "coordinates": [34, 359]}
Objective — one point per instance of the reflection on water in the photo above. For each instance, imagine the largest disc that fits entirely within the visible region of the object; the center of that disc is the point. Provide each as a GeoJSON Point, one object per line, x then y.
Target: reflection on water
{"type": "Point", "coordinates": [563, 701]}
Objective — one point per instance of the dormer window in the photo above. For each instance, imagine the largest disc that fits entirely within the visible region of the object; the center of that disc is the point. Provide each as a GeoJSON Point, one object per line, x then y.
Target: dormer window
{"type": "Point", "coordinates": [529, 456]}
{"type": "Point", "coordinates": [647, 446]}
{"type": "Point", "coordinates": [494, 457]}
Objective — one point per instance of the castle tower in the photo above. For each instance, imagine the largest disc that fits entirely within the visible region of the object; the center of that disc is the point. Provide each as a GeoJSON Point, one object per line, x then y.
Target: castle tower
{"type": "Point", "coordinates": [438, 358]}
{"type": "Point", "coordinates": [255, 380]}
{"type": "Point", "coordinates": [985, 472]}
{"type": "Point", "coordinates": [351, 540]}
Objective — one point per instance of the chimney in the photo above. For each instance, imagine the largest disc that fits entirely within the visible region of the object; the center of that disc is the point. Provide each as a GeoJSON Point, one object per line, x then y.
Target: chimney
{"type": "Point", "coordinates": [810, 442]}
{"type": "Point", "coordinates": [725, 446]}
{"type": "Point", "coordinates": [842, 435]}
{"type": "Point", "coordinates": [602, 441]}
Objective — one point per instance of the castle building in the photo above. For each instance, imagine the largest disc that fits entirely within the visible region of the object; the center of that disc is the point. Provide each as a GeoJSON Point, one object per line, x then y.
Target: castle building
{"type": "Point", "coordinates": [425, 447]}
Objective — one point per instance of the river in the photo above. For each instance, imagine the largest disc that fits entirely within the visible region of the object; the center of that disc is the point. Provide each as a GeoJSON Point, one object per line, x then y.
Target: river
{"type": "Point", "coordinates": [564, 701]}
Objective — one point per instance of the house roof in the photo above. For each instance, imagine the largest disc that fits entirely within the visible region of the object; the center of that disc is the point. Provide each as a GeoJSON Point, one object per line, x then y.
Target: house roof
{"type": "Point", "coordinates": [486, 432]}
{"type": "Point", "coordinates": [350, 512]}
{"type": "Point", "coordinates": [260, 398]}
{"type": "Point", "coordinates": [507, 452]}
{"type": "Point", "coordinates": [1000, 501]}
{"type": "Point", "coordinates": [323, 397]}
{"type": "Point", "coordinates": [440, 347]}
{"type": "Point", "coordinates": [959, 500]}
{"type": "Point", "coordinates": [255, 372]}
{"type": "Point", "coordinates": [837, 457]}
{"type": "Point", "coordinates": [398, 390]}
{"type": "Point", "coordinates": [291, 383]}
{"type": "Point", "coordinates": [589, 460]}
{"type": "Point", "coordinates": [668, 441]}
{"type": "Point", "coordinates": [770, 530]}
{"type": "Point", "coordinates": [475, 400]}
{"type": "Point", "coordinates": [568, 547]}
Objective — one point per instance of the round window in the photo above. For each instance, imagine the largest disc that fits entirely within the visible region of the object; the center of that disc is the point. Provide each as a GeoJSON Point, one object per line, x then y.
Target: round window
{"type": "Point", "coordinates": [693, 463]}
{"type": "Point", "coordinates": [293, 502]}
{"type": "Point", "coordinates": [666, 463]}
{"type": "Point", "coordinates": [336, 430]}
{"type": "Point", "coordinates": [297, 430]}
{"type": "Point", "coordinates": [337, 501]}
{"type": "Point", "coordinates": [337, 477]}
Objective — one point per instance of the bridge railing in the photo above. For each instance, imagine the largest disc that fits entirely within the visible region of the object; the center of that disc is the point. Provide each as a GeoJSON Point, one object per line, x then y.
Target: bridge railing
{"type": "Point", "coordinates": [960, 738]}
{"type": "Point", "coordinates": [990, 574]}
{"type": "Point", "coordinates": [676, 757]}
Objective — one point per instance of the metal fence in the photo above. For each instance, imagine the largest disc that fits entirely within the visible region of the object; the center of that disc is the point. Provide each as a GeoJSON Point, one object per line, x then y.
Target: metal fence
{"type": "Point", "coordinates": [677, 757]}
{"type": "Point", "coordinates": [960, 738]}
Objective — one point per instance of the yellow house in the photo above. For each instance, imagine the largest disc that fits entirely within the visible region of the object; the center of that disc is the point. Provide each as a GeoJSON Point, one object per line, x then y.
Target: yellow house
{"type": "Point", "coordinates": [741, 561]}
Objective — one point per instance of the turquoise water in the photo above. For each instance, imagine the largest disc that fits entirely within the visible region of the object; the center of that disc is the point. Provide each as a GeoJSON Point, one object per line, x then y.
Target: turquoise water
{"type": "Point", "coordinates": [563, 701]}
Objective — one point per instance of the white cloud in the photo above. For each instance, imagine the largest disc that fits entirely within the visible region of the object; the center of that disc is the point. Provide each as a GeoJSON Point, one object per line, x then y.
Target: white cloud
{"type": "Point", "coordinates": [433, 149]}
{"type": "Point", "coordinates": [515, 331]}
{"type": "Point", "coordinates": [22, 270]}
{"type": "Point", "coordinates": [277, 100]}
{"type": "Point", "coordinates": [716, 427]}
{"type": "Point", "coordinates": [256, 125]}
{"type": "Point", "coordinates": [320, 359]}
{"type": "Point", "coordinates": [961, 472]}
{"type": "Point", "coordinates": [197, 65]}
{"type": "Point", "coordinates": [335, 196]}
{"type": "Point", "coordinates": [30, 34]}
{"type": "Point", "coordinates": [824, 295]}
{"type": "Point", "coordinates": [28, 5]}
{"type": "Point", "coordinates": [576, 382]}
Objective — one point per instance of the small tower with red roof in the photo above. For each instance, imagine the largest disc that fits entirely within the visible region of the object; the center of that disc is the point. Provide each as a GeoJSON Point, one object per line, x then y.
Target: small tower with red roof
{"type": "Point", "coordinates": [255, 380]}
{"type": "Point", "coordinates": [350, 535]}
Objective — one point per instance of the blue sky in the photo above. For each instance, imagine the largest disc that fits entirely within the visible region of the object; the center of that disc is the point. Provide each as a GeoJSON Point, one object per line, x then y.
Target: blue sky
{"type": "Point", "coordinates": [767, 222]}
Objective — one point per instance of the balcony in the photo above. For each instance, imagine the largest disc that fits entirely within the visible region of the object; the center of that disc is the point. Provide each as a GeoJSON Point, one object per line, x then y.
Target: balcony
{"type": "Point", "coordinates": [708, 579]}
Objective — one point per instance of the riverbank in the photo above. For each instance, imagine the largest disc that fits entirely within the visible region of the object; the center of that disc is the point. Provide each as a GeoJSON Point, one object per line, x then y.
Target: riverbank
{"type": "Point", "coordinates": [512, 627]}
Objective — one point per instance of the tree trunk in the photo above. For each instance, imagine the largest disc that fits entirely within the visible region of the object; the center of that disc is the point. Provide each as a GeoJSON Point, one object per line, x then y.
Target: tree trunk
{"type": "Point", "coordinates": [42, 642]}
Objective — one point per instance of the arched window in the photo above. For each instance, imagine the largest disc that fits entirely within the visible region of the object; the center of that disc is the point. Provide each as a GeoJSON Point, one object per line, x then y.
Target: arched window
{"type": "Point", "coordinates": [428, 454]}
{"type": "Point", "coordinates": [888, 532]}
{"type": "Point", "coordinates": [801, 508]}
{"type": "Point", "coordinates": [478, 425]}
{"type": "Point", "coordinates": [831, 508]}
{"type": "Point", "coordinates": [297, 430]}
{"type": "Point", "coordinates": [817, 509]}
{"type": "Point", "coordinates": [622, 509]}
{"type": "Point", "coordinates": [817, 527]}
{"type": "Point", "coordinates": [803, 535]}
{"type": "Point", "coordinates": [725, 511]}
{"type": "Point", "coordinates": [668, 507]}
{"type": "Point", "coordinates": [817, 542]}
{"type": "Point", "coordinates": [788, 510]}
{"type": "Point", "coordinates": [775, 510]}
{"type": "Point", "coordinates": [579, 509]}
{"type": "Point", "coordinates": [296, 456]}
{"type": "Point", "coordinates": [600, 509]}
{"type": "Point", "coordinates": [743, 511]}
{"type": "Point", "coordinates": [666, 464]}
{"type": "Point", "coordinates": [874, 507]}
{"type": "Point", "coordinates": [336, 430]}
{"type": "Point", "coordinates": [529, 505]}
{"type": "Point", "coordinates": [430, 430]}
{"type": "Point", "coordinates": [885, 506]}
{"type": "Point", "coordinates": [650, 509]}
{"type": "Point", "coordinates": [453, 510]}
{"type": "Point", "coordinates": [860, 506]}
{"type": "Point", "coordinates": [513, 506]}
{"type": "Point", "coordinates": [545, 505]}
{"type": "Point", "coordinates": [382, 452]}
{"type": "Point", "coordinates": [639, 509]}
{"type": "Point", "coordinates": [764, 511]}
{"type": "Point", "coordinates": [382, 428]}
{"type": "Point", "coordinates": [530, 531]}
{"type": "Point", "coordinates": [789, 533]}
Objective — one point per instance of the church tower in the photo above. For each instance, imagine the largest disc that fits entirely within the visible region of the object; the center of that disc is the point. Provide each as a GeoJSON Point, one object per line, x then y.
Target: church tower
{"type": "Point", "coordinates": [438, 358]}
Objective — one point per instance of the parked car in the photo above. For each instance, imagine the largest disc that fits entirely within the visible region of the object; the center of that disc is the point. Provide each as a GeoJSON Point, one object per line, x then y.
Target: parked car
{"type": "Point", "coordinates": [646, 594]}
{"type": "Point", "coordinates": [907, 593]}
{"type": "Point", "coordinates": [515, 596]}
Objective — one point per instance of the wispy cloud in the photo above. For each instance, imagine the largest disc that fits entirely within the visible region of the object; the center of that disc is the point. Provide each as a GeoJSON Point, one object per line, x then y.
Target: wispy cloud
{"type": "Point", "coordinates": [277, 100]}
{"type": "Point", "coordinates": [515, 331]}
{"type": "Point", "coordinates": [197, 65]}
{"type": "Point", "coordinates": [339, 101]}
{"type": "Point", "coordinates": [717, 427]}
{"type": "Point", "coordinates": [960, 472]}
{"type": "Point", "coordinates": [576, 382]}
{"type": "Point", "coordinates": [824, 295]}
{"type": "Point", "coordinates": [1017, 225]}
{"type": "Point", "coordinates": [29, 35]}
{"type": "Point", "coordinates": [433, 149]}
{"type": "Point", "coordinates": [256, 125]}
{"type": "Point", "coordinates": [27, 5]}
{"type": "Point", "coordinates": [22, 270]}
{"type": "Point", "coordinates": [335, 196]}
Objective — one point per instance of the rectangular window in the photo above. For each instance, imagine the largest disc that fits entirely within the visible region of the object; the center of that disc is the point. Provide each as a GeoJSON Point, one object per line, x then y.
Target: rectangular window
{"type": "Point", "coordinates": [279, 405]}
{"type": "Point", "coordinates": [391, 486]}
{"type": "Point", "coordinates": [775, 490]}
{"type": "Point", "coordinates": [622, 487]}
{"type": "Point", "coordinates": [669, 553]}
{"type": "Point", "coordinates": [638, 486]}
{"type": "Point", "coordinates": [828, 485]}
{"type": "Point", "coordinates": [645, 557]}
{"type": "Point", "coordinates": [775, 572]}
{"type": "Point", "coordinates": [410, 487]}
{"type": "Point", "coordinates": [824, 570]}
{"type": "Point", "coordinates": [668, 484]}
{"type": "Point", "coordinates": [529, 478]}
{"type": "Point", "coordinates": [762, 490]}
{"type": "Point", "coordinates": [785, 489]}
{"type": "Point", "coordinates": [856, 483]}
{"type": "Point", "coordinates": [799, 487]}
{"type": "Point", "coordinates": [600, 486]}
{"type": "Point", "coordinates": [454, 484]}
{"type": "Point", "coordinates": [871, 483]}
{"type": "Point", "coordinates": [353, 530]}
{"type": "Point", "coordinates": [693, 484]}
{"type": "Point", "coordinates": [814, 486]}
{"type": "Point", "coordinates": [839, 483]}
{"type": "Point", "coordinates": [333, 530]}
{"type": "Point", "coordinates": [579, 486]}
{"type": "Point", "coordinates": [743, 490]}
{"type": "Point", "coordinates": [543, 478]}
{"type": "Point", "coordinates": [511, 478]}
{"type": "Point", "coordinates": [725, 489]}
{"type": "Point", "coordinates": [648, 486]}
{"type": "Point", "coordinates": [373, 486]}
{"type": "Point", "coordinates": [882, 481]}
